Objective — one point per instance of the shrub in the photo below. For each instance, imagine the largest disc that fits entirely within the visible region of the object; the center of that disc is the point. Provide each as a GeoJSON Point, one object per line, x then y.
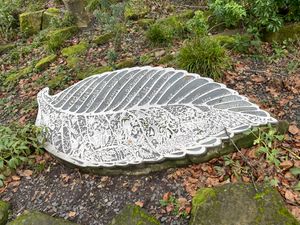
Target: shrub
{"type": "Point", "coordinates": [198, 24]}
{"type": "Point", "coordinates": [17, 143]}
{"type": "Point", "coordinates": [8, 18]}
{"type": "Point", "coordinates": [229, 12]}
{"type": "Point", "coordinates": [158, 35]}
{"type": "Point", "coordinates": [204, 56]}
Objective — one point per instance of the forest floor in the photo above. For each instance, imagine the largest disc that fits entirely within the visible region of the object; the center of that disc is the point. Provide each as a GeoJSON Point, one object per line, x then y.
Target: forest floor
{"type": "Point", "coordinates": [270, 79]}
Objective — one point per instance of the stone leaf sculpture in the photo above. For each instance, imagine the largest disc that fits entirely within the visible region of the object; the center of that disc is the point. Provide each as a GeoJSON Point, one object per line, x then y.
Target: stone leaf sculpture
{"type": "Point", "coordinates": [142, 114]}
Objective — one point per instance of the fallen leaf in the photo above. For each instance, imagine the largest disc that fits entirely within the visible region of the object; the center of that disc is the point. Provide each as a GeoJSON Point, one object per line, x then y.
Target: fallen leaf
{"type": "Point", "coordinates": [15, 178]}
{"type": "Point", "coordinates": [286, 164]}
{"type": "Point", "coordinates": [139, 203]}
{"type": "Point", "coordinates": [293, 129]}
{"type": "Point", "coordinates": [290, 195]}
{"type": "Point", "coordinates": [166, 196]}
{"type": "Point", "coordinates": [182, 202]}
{"type": "Point", "coordinates": [72, 214]}
{"type": "Point", "coordinates": [169, 208]}
{"type": "Point", "coordinates": [26, 173]}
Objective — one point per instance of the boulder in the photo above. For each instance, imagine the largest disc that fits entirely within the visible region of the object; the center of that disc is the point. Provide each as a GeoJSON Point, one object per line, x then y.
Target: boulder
{"type": "Point", "coordinates": [57, 37]}
{"type": "Point", "coordinates": [136, 9]}
{"type": "Point", "coordinates": [48, 15]}
{"type": "Point", "coordinates": [4, 208]}
{"type": "Point", "coordinates": [37, 218]}
{"type": "Point", "coordinates": [126, 63]}
{"type": "Point", "coordinates": [45, 62]}
{"type": "Point", "coordinates": [104, 38]}
{"type": "Point", "coordinates": [31, 22]}
{"type": "Point", "coordinates": [234, 204]}
{"type": "Point", "coordinates": [75, 50]}
{"type": "Point", "coordinates": [291, 31]}
{"type": "Point", "coordinates": [134, 215]}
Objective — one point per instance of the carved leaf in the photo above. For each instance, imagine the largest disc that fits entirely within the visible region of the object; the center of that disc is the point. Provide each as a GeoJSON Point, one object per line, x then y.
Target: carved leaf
{"type": "Point", "coordinates": [142, 114]}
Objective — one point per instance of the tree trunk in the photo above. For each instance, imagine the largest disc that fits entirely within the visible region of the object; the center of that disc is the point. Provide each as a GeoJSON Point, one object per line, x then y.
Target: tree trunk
{"type": "Point", "coordinates": [76, 8]}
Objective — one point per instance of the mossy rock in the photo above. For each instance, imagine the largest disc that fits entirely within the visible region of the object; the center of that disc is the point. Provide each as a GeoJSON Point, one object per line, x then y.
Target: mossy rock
{"type": "Point", "coordinates": [126, 63]}
{"type": "Point", "coordinates": [4, 209]}
{"type": "Point", "coordinates": [134, 215]}
{"type": "Point", "coordinates": [14, 77]}
{"type": "Point", "coordinates": [233, 204]}
{"type": "Point", "coordinates": [37, 218]}
{"type": "Point", "coordinates": [48, 15]}
{"type": "Point", "coordinates": [31, 22]}
{"type": "Point", "coordinates": [136, 9]}
{"type": "Point", "coordinates": [57, 38]}
{"type": "Point", "coordinates": [145, 23]}
{"type": "Point", "coordinates": [291, 31]}
{"type": "Point", "coordinates": [167, 59]}
{"type": "Point", "coordinates": [103, 39]}
{"type": "Point", "coordinates": [45, 62]}
{"type": "Point", "coordinates": [5, 48]}
{"type": "Point", "coordinates": [75, 50]}
{"type": "Point", "coordinates": [93, 71]}
{"type": "Point", "coordinates": [146, 59]}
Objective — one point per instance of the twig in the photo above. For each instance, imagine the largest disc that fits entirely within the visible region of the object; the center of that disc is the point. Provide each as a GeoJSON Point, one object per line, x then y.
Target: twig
{"type": "Point", "coordinates": [290, 151]}
{"type": "Point", "coordinates": [244, 159]}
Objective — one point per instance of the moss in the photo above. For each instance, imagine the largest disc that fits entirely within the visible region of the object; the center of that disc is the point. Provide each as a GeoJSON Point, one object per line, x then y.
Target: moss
{"type": "Point", "coordinates": [186, 14]}
{"type": "Point", "coordinates": [291, 31]}
{"type": "Point", "coordinates": [202, 195]}
{"type": "Point", "coordinates": [57, 81]}
{"type": "Point", "coordinates": [75, 50]}
{"type": "Point", "coordinates": [92, 71]}
{"type": "Point", "coordinates": [45, 62]}
{"type": "Point", "coordinates": [73, 62]}
{"type": "Point", "coordinates": [167, 59]}
{"type": "Point", "coordinates": [57, 38]}
{"type": "Point", "coordinates": [145, 23]}
{"type": "Point", "coordinates": [225, 40]}
{"type": "Point", "coordinates": [39, 218]}
{"type": "Point", "coordinates": [31, 22]}
{"type": "Point", "coordinates": [136, 9]}
{"type": "Point", "coordinates": [104, 38]}
{"type": "Point", "coordinates": [48, 15]}
{"type": "Point", "coordinates": [127, 63]}
{"type": "Point", "coordinates": [146, 59]}
{"type": "Point", "coordinates": [14, 77]}
{"type": "Point", "coordinates": [4, 208]}
{"type": "Point", "coordinates": [134, 215]}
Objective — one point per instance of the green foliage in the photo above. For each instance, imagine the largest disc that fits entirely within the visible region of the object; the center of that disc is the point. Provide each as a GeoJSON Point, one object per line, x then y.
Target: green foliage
{"type": "Point", "coordinates": [17, 143]}
{"type": "Point", "coordinates": [174, 204]}
{"type": "Point", "coordinates": [267, 142]}
{"type": "Point", "coordinates": [229, 12]}
{"type": "Point", "coordinates": [204, 56]}
{"type": "Point", "coordinates": [165, 30]}
{"type": "Point", "coordinates": [112, 57]}
{"type": "Point", "coordinates": [8, 18]}
{"type": "Point", "coordinates": [158, 35]}
{"type": "Point", "coordinates": [198, 24]}
{"type": "Point", "coordinates": [112, 21]}
{"type": "Point", "coordinates": [61, 21]}
{"type": "Point", "coordinates": [267, 15]}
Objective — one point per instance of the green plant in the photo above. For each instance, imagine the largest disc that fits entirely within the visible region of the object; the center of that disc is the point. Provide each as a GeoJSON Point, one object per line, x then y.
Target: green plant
{"type": "Point", "coordinates": [17, 143]}
{"type": "Point", "coordinates": [158, 35]}
{"type": "Point", "coordinates": [198, 24]}
{"type": "Point", "coordinates": [8, 18]}
{"type": "Point", "coordinates": [66, 20]}
{"type": "Point", "coordinates": [173, 203]}
{"type": "Point", "coordinates": [266, 139]}
{"type": "Point", "coordinates": [229, 12]}
{"type": "Point", "coordinates": [112, 57]}
{"type": "Point", "coordinates": [204, 56]}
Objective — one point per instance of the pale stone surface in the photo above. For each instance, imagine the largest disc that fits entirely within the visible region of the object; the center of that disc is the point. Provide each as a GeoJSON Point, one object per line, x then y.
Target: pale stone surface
{"type": "Point", "coordinates": [143, 115]}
